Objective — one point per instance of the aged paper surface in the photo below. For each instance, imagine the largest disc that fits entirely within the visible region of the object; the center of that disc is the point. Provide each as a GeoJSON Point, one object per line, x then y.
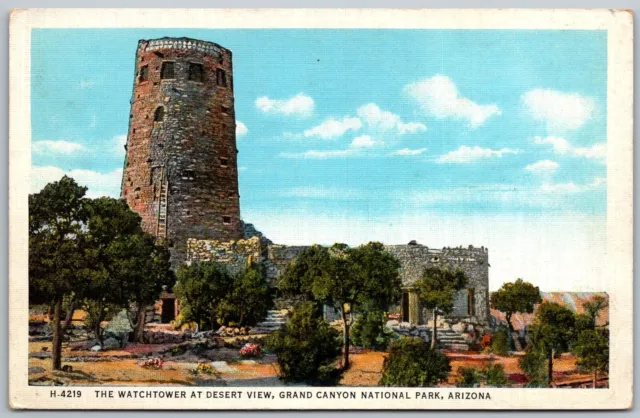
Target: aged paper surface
{"type": "Point", "coordinates": [424, 130]}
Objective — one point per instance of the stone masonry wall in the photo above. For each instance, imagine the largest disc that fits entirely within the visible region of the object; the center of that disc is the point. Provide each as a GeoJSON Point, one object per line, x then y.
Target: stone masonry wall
{"type": "Point", "coordinates": [180, 172]}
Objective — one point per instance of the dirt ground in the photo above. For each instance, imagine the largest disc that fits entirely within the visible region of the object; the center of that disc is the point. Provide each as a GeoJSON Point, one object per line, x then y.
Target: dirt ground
{"type": "Point", "coordinates": [121, 367]}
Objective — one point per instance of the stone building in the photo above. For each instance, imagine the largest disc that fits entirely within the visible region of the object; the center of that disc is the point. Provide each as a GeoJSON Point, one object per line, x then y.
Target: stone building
{"type": "Point", "coordinates": [180, 171]}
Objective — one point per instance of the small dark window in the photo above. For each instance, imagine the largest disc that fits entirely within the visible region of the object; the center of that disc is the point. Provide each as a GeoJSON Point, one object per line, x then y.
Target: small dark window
{"type": "Point", "coordinates": [158, 116]}
{"type": "Point", "coordinates": [136, 193]}
{"type": "Point", "coordinates": [168, 70]}
{"type": "Point", "coordinates": [224, 161]}
{"type": "Point", "coordinates": [190, 174]}
{"type": "Point", "coordinates": [224, 109]}
{"type": "Point", "coordinates": [144, 73]}
{"type": "Point", "coordinates": [221, 77]}
{"type": "Point", "coordinates": [471, 302]}
{"type": "Point", "coordinates": [134, 130]}
{"type": "Point", "coordinates": [196, 72]}
{"type": "Point", "coordinates": [231, 81]}
{"type": "Point", "coordinates": [226, 220]}
{"type": "Point", "coordinates": [230, 193]}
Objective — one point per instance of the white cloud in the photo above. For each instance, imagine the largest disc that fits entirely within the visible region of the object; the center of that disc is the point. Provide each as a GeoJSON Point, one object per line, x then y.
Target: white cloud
{"type": "Point", "coordinates": [363, 141]}
{"type": "Point", "coordinates": [320, 154]}
{"type": "Point", "coordinates": [411, 127]}
{"type": "Point", "coordinates": [56, 147]}
{"type": "Point", "coordinates": [407, 151]}
{"type": "Point", "coordinates": [572, 187]}
{"type": "Point", "coordinates": [562, 146]}
{"type": "Point", "coordinates": [438, 96]}
{"type": "Point", "coordinates": [466, 154]}
{"type": "Point", "coordinates": [87, 84]}
{"type": "Point", "coordinates": [321, 193]}
{"type": "Point", "coordinates": [242, 168]}
{"type": "Point", "coordinates": [298, 105]}
{"type": "Point", "coordinates": [559, 110]}
{"type": "Point", "coordinates": [241, 129]}
{"type": "Point", "coordinates": [333, 128]}
{"type": "Point", "coordinates": [99, 184]}
{"type": "Point", "coordinates": [543, 167]}
{"type": "Point", "coordinates": [597, 151]}
{"type": "Point", "coordinates": [384, 121]}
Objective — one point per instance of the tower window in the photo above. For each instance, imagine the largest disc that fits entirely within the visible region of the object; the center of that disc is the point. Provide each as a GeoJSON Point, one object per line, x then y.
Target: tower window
{"type": "Point", "coordinates": [168, 70]}
{"type": "Point", "coordinates": [190, 174]}
{"type": "Point", "coordinates": [224, 161]}
{"type": "Point", "coordinates": [224, 109]}
{"type": "Point", "coordinates": [226, 220]}
{"type": "Point", "coordinates": [196, 72]}
{"type": "Point", "coordinates": [158, 115]}
{"type": "Point", "coordinates": [230, 193]}
{"type": "Point", "coordinates": [221, 77]}
{"type": "Point", "coordinates": [471, 301]}
{"type": "Point", "coordinates": [144, 73]}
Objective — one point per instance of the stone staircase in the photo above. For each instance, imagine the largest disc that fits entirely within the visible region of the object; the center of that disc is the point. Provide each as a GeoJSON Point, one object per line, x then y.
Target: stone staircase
{"type": "Point", "coordinates": [451, 340]}
{"type": "Point", "coordinates": [274, 320]}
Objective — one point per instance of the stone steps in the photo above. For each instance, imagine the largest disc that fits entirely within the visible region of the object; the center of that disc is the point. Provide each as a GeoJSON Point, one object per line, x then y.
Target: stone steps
{"type": "Point", "coordinates": [274, 321]}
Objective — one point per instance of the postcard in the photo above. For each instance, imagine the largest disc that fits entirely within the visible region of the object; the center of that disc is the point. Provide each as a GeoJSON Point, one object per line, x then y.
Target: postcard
{"type": "Point", "coordinates": [321, 209]}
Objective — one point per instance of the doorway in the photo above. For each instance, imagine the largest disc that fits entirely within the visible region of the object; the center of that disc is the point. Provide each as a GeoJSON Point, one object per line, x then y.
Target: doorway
{"type": "Point", "coordinates": [168, 310]}
{"type": "Point", "coordinates": [405, 306]}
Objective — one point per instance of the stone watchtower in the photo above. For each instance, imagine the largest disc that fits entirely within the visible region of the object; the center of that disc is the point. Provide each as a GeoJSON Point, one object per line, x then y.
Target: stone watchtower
{"type": "Point", "coordinates": [180, 171]}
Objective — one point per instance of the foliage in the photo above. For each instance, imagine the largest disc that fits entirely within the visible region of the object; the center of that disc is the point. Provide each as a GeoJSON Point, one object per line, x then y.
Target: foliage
{"type": "Point", "coordinates": [152, 363]}
{"type": "Point", "coordinates": [486, 341]}
{"type": "Point", "coordinates": [437, 289]}
{"type": "Point", "coordinates": [494, 375]}
{"type": "Point", "coordinates": [468, 377]}
{"type": "Point", "coordinates": [534, 366]}
{"type": "Point", "coordinates": [553, 332]}
{"type": "Point", "coordinates": [250, 350]}
{"type": "Point", "coordinates": [249, 298]}
{"type": "Point", "coordinates": [306, 347]}
{"type": "Point", "coordinates": [201, 289]}
{"type": "Point", "coordinates": [412, 363]}
{"type": "Point", "coordinates": [204, 368]}
{"type": "Point", "coordinates": [592, 349]}
{"type": "Point", "coordinates": [369, 331]}
{"type": "Point", "coordinates": [347, 278]}
{"type": "Point", "coordinates": [519, 296]}
{"type": "Point", "coordinates": [57, 266]}
{"type": "Point", "coordinates": [500, 342]}
{"type": "Point", "coordinates": [593, 307]}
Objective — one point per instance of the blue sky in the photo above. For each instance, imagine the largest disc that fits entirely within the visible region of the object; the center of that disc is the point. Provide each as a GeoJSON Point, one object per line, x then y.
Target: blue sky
{"type": "Point", "coordinates": [388, 133]}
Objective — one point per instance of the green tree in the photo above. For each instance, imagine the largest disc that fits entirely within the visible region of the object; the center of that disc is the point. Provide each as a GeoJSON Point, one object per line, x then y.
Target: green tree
{"type": "Point", "coordinates": [306, 347]}
{"type": "Point", "coordinates": [593, 307]}
{"type": "Point", "coordinates": [511, 298]}
{"type": "Point", "coordinates": [202, 288]}
{"type": "Point", "coordinates": [437, 289]}
{"type": "Point", "coordinates": [249, 299]}
{"type": "Point", "coordinates": [127, 267]}
{"type": "Point", "coordinates": [553, 331]}
{"type": "Point", "coordinates": [57, 267]}
{"type": "Point", "coordinates": [346, 278]}
{"type": "Point", "coordinates": [592, 348]}
{"type": "Point", "coordinates": [411, 363]}
{"type": "Point", "coordinates": [369, 330]}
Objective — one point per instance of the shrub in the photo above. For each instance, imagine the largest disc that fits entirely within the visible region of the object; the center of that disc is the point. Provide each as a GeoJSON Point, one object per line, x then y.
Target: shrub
{"type": "Point", "coordinates": [204, 368]}
{"type": "Point", "coordinates": [534, 366]}
{"type": "Point", "coordinates": [411, 362]}
{"type": "Point", "coordinates": [494, 375]}
{"type": "Point", "coordinates": [152, 363]}
{"type": "Point", "coordinates": [250, 350]}
{"type": "Point", "coordinates": [369, 331]}
{"type": "Point", "coordinates": [500, 342]}
{"type": "Point", "coordinates": [486, 341]}
{"type": "Point", "coordinates": [468, 377]}
{"type": "Point", "coordinates": [306, 347]}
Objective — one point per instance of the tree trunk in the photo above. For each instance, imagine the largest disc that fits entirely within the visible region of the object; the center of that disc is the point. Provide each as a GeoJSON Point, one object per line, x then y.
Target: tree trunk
{"type": "Point", "coordinates": [69, 318]}
{"type": "Point", "coordinates": [512, 345]}
{"type": "Point", "coordinates": [595, 378]}
{"type": "Point", "coordinates": [56, 349]}
{"type": "Point", "coordinates": [550, 369]}
{"type": "Point", "coordinates": [345, 337]}
{"type": "Point", "coordinates": [138, 329]}
{"type": "Point", "coordinates": [434, 336]}
{"type": "Point", "coordinates": [98, 327]}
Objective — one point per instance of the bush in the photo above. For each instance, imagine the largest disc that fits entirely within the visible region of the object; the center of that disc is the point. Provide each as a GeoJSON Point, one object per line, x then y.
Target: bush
{"type": "Point", "coordinates": [250, 350]}
{"type": "Point", "coordinates": [369, 331]}
{"type": "Point", "coordinates": [494, 375]}
{"type": "Point", "coordinates": [411, 362]}
{"type": "Point", "coordinates": [469, 377]}
{"type": "Point", "coordinates": [486, 341]}
{"type": "Point", "coordinates": [534, 366]}
{"type": "Point", "coordinates": [306, 347]}
{"type": "Point", "coordinates": [500, 342]}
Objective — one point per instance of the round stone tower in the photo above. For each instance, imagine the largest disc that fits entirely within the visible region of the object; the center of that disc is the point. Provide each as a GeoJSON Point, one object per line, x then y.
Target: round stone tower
{"type": "Point", "coordinates": [180, 171]}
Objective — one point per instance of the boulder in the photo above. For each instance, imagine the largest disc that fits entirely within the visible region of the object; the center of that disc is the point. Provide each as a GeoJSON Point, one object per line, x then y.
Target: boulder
{"type": "Point", "coordinates": [36, 369]}
{"type": "Point", "coordinates": [111, 343]}
{"type": "Point", "coordinates": [459, 327]}
{"type": "Point", "coordinates": [392, 323]}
